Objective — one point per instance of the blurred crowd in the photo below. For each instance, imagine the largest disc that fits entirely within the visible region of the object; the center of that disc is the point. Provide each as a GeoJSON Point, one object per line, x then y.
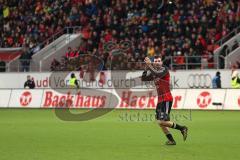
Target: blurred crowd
{"type": "Point", "coordinates": [177, 28]}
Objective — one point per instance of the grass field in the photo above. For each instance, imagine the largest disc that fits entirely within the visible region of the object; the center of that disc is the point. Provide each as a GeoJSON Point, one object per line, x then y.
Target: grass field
{"type": "Point", "coordinates": [33, 134]}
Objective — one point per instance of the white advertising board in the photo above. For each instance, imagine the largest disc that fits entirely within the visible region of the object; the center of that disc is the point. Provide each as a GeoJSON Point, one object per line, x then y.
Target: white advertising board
{"type": "Point", "coordinates": [232, 101]}
{"type": "Point", "coordinates": [201, 99]}
{"type": "Point", "coordinates": [26, 98]}
{"type": "Point", "coordinates": [212, 99]}
{"type": "Point", "coordinates": [4, 97]}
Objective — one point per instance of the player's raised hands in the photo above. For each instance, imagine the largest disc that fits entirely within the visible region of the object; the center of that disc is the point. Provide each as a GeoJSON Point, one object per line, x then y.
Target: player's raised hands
{"type": "Point", "coordinates": [147, 61]}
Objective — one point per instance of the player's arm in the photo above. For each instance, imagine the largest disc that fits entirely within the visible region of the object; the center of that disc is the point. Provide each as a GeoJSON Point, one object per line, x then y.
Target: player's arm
{"type": "Point", "coordinates": [147, 76]}
{"type": "Point", "coordinates": [159, 73]}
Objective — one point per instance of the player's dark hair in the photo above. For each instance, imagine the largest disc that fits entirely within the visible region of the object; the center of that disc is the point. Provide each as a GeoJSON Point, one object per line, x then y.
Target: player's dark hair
{"type": "Point", "coordinates": [158, 56]}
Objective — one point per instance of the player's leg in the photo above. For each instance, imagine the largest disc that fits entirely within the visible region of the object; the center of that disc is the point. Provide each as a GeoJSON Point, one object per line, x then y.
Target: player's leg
{"type": "Point", "coordinates": [170, 124]}
{"type": "Point", "coordinates": [179, 127]}
{"type": "Point", "coordinates": [162, 117]}
{"type": "Point", "coordinates": [169, 136]}
{"type": "Point", "coordinates": [173, 125]}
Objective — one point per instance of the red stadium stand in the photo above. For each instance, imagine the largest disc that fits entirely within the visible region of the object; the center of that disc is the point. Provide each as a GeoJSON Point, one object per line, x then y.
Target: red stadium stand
{"type": "Point", "coordinates": [8, 56]}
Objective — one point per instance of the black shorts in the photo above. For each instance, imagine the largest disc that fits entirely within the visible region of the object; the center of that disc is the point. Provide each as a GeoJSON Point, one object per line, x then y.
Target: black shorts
{"type": "Point", "coordinates": [163, 111]}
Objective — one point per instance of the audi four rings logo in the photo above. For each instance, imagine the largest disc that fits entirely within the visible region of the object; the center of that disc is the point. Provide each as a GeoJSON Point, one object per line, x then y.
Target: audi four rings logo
{"type": "Point", "coordinates": [199, 81]}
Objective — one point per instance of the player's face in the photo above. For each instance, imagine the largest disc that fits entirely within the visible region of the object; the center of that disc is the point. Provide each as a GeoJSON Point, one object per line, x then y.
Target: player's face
{"type": "Point", "coordinates": [157, 62]}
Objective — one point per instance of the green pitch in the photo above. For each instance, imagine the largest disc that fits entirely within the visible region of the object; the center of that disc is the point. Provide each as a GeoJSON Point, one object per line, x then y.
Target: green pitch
{"type": "Point", "coordinates": [33, 134]}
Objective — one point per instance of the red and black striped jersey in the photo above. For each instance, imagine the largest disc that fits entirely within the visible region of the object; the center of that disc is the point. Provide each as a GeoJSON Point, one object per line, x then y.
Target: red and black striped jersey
{"type": "Point", "coordinates": [161, 78]}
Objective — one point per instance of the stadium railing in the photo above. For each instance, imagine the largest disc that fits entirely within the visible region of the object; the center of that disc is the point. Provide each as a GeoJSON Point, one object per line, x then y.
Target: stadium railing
{"type": "Point", "coordinates": [189, 62]}
{"type": "Point", "coordinates": [201, 62]}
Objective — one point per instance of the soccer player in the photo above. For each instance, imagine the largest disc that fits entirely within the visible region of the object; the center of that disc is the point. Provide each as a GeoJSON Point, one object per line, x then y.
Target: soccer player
{"type": "Point", "coordinates": [160, 75]}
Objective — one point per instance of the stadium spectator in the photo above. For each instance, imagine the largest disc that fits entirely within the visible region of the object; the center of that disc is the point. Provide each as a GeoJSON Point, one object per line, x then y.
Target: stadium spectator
{"type": "Point", "coordinates": [2, 66]}
{"type": "Point", "coordinates": [192, 61]}
{"type": "Point", "coordinates": [179, 61]}
{"type": "Point", "coordinates": [235, 82]}
{"type": "Point", "coordinates": [25, 60]}
{"type": "Point", "coordinates": [81, 73]}
{"type": "Point", "coordinates": [216, 81]}
{"type": "Point", "coordinates": [29, 83]}
{"type": "Point", "coordinates": [55, 65]}
{"type": "Point", "coordinates": [69, 52]}
{"type": "Point", "coordinates": [75, 53]}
